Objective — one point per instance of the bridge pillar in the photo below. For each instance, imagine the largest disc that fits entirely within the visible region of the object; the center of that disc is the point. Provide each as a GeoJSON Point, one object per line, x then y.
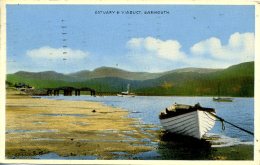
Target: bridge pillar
{"type": "Point", "coordinates": [92, 93]}
{"type": "Point", "coordinates": [49, 92]}
{"type": "Point", "coordinates": [56, 92]}
{"type": "Point", "coordinates": [77, 92]}
{"type": "Point", "coordinates": [69, 92]}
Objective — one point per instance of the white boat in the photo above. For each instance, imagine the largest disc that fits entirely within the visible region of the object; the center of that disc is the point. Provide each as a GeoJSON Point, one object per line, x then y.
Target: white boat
{"type": "Point", "coordinates": [188, 120]}
{"type": "Point", "coordinates": [127, 93]}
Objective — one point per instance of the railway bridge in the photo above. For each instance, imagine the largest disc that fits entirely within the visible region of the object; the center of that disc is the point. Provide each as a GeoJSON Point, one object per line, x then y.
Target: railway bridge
{"type": "Point", "coordinates": [68, 91]}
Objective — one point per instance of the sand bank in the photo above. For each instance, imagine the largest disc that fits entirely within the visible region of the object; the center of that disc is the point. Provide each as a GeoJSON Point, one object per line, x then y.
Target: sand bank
{"type": "Point", "coordinates": [36, 126]}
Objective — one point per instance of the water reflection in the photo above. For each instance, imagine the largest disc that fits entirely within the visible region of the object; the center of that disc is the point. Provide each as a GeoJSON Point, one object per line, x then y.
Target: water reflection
{"type": "Point", "coordinates": [177, 147]}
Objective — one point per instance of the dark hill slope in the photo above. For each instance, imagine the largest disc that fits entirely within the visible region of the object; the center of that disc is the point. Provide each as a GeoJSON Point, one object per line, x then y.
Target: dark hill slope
{"type": "Point", "coordinates": [237, 80]}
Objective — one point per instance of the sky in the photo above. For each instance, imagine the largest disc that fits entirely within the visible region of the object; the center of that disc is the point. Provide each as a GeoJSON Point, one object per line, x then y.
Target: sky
{"type": "Point", "coordinates": [70, 38]}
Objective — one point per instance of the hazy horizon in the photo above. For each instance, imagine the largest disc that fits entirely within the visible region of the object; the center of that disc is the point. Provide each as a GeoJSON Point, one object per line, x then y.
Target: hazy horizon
{"type": "Point", "coordinates": [124, 69]}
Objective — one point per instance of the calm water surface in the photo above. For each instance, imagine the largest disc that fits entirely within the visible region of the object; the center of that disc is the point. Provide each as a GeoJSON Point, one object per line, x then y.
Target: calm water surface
{"type": "Point", "coordinates": [147, 108]}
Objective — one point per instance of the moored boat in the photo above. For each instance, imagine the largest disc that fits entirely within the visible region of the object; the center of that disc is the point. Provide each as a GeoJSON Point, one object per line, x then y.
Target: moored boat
{"type": "Point", "coordinates": [188, 120]}
{"type": "Point", "coordinates": [222, 99]}
{"type": "Point", "coordinates": [127, 93]}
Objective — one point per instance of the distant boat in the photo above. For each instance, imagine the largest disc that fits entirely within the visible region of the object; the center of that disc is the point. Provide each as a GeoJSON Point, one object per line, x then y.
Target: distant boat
{"type": "Point", "coordinates": [222, 99]}
{"type": "Point", "coordinates": [127, 93]}
{"type": "Point", "coordinates": [188, 120]}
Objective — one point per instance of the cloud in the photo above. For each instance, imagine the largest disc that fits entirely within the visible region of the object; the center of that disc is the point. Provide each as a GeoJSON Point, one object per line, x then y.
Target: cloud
{"type": "Point", "coordinates": [47, 52]}
{"type": "Point", "coordinates": [152, 54]}
{"type": "Point", "coordinates": [169, 49]}
{"type": "Point", "coordinates": [240, 47]}
{"type": "Point", "coordinates": [148, 54]}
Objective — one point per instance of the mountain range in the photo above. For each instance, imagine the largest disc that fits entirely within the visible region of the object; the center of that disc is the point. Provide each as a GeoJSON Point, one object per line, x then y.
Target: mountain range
{"type": "Point", "coordinates": [236, 80]}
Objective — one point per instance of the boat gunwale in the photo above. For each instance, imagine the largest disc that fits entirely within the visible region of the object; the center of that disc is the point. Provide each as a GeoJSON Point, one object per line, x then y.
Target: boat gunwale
{"type": "Point", "coordinates": [178, 111]}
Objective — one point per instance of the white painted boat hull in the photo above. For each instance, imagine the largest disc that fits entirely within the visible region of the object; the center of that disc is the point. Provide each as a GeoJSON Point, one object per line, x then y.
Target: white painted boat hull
{"type": "Point", "coordinates": [120, 95]}
{"type": "Point", "coordinates": [194, 124]}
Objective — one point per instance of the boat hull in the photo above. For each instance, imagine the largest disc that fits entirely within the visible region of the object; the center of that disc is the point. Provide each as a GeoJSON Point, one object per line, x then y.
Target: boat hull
{"type": "Point", "coordinates": [194, 124]}
{"type": "Point", "coordinates": [130, 95]}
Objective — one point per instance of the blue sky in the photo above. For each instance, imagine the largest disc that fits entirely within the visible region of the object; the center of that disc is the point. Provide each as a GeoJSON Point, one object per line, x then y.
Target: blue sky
{"type": "Point", "coordinates": [186, 36]}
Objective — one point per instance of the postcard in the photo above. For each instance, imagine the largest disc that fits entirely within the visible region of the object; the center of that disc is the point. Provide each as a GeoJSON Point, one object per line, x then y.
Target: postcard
{"type": "Point", "coordinates": [129, 83]}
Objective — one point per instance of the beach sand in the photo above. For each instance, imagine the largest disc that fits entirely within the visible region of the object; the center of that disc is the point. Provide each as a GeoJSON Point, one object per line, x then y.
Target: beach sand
{"type": "Point", "coordinates": [36, 126]}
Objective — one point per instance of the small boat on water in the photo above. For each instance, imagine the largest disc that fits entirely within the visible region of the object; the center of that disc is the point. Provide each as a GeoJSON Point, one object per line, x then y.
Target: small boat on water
{"type": "Point", "coordinates": [222, 99]}
{"type": "Point", "coordinates": [127, 93]}
{"type": "Point", "coordinates": [188, 120]}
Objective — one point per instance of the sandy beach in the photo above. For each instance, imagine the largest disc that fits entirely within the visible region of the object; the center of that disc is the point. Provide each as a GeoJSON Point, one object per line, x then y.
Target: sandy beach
{"type": "Point", "coordinates": [37, 126]}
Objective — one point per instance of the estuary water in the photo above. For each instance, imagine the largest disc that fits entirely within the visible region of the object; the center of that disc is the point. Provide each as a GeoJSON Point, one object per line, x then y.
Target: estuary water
{"type": "Point", "coordinates": [147, 108]}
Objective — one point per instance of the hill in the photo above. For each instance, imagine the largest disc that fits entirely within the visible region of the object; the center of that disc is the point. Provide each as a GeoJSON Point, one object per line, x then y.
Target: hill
{"type": "Point", "coordinates": [103, 72]}
{"type": "Point", "coordinates": [236, 80]}
{"type": "Point", "coordinates": [47, 75]}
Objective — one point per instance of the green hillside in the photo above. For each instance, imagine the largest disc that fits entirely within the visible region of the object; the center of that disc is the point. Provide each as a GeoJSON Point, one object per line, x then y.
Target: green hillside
{"type": "Point", "coordinates": [103, 72]}
{"type": "Point", "coordinates": [236, 80]}
{"type": "Point", "coordinates": [47, 75]}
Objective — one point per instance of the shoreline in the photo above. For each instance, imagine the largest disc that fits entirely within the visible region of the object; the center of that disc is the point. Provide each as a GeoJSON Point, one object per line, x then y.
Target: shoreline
{"type": "Point", "coordinates": [37, 128]}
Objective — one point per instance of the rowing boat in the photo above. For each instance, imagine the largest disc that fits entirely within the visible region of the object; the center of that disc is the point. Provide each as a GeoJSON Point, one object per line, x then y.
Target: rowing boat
{"type": "Point", "coordinates": [188, 120]}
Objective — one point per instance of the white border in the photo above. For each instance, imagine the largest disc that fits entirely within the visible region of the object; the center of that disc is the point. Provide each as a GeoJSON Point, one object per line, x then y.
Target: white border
{"type": "Point", "coordinates": [125, 2]}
